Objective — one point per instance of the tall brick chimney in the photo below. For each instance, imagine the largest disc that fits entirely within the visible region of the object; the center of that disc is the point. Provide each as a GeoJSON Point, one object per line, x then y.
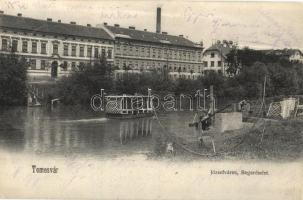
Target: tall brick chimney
{"type": "Point", "coordinates": [158, 27]}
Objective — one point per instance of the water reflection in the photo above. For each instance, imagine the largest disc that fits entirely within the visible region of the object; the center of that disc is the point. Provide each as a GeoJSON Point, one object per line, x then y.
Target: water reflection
{"type": "Point", "coordinates": [41, 131]}
{"type": "Point", "coordinates": [132, 129]}
{"type": "Point", "coordinates": [68, 131]}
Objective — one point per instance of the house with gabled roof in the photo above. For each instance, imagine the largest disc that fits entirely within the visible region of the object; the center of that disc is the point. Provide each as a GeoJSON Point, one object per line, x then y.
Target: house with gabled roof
{"type": "Point", "coordinates": [214, 57]}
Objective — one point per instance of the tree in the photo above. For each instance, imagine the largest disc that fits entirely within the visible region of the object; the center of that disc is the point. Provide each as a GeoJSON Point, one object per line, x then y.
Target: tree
{"type": "Point", "coordinates": [85, 82]}
{"type": "Point", "coordinates": [12, 80]}
{"type": "Point", "coordinates": [233, 66]}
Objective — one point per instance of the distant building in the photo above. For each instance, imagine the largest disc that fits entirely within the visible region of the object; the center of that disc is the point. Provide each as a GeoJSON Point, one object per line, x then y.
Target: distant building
{"type": "Point", "coordinates": [214, 58]}
{"type": "Point", "coordinates": [53, 48]}
{"type": "Point", "coordinates": [293, 55]}
{"type": "Point", "coordinates": [142, 50]}
{"type": "Point", "coordinates": [149, 51]}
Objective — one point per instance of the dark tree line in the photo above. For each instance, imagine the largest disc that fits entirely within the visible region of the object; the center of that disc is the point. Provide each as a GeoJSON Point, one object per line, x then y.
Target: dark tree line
{"type": "Point", "coordinates": [247, 69]}
{"type": "Point", "coordinates": [13, 90]}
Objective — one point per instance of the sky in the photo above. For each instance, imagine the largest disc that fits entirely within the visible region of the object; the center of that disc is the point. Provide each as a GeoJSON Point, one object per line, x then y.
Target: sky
{"type": "Point", "coordinates": [259, 25]}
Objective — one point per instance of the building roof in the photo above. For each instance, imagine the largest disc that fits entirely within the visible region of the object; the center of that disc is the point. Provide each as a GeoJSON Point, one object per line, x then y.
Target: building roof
{"type": "Point", "coordinates": [220, 47]}
{"type": "Point", "coordinates": [282, 52]}
{"type": "Point", "coordinates": [147, 36]}
{"type": "Point", "coordinates": [49, 27]}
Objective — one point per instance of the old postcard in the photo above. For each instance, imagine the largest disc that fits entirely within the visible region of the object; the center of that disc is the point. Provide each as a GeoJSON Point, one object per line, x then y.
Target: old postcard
{"type": "Point", "coordinates": [151, 100]}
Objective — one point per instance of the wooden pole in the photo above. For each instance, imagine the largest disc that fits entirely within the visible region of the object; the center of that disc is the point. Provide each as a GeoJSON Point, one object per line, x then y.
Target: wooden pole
{"type": "Point", "coordinates": [142, 127]}
{"type": "Point", "coordinates": [214, 147]}
{"type": "Point", "coordinates": [212, 109]}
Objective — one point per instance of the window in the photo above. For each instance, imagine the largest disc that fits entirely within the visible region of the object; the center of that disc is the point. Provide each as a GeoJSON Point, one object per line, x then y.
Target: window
{"type": "Point", "coordinates": [205, 64]}
{"type": "Point", "coordinates": [81, 51]}
{"type": "Point", "coordinates": [55, 48]}
{"type": "Point", "coordinates": [219, 63]}
{"type": "Point", "coordinates": [4, 45]}
{"type": "Point", "coordinates": [15, 46]}
{"type": "Point", "coordinates": [33, 64]}
{"type": "Point", "coordinates": [137, 50]}
{"type": "Point", "coordinates": [109, 54]}
{"type": "Point", "coordinates": [81, 64]}
{"type": "Point", "coordinates": [212, 55]}
{"type": "Point", "coordinates": [43, 48]}
{"type": "Point", "coordinates": [24, 46]}
{"type": "Point", "coordinates": [103, 52]}
{"type": "Point", "coordinates": [89, 51]}
{"type": "Point", "coordinates": [96, 52]}
{"type": "Point", "coordinates": [64, 66]}
{"type": "Point", "coordinates": [65, 50]}
{"type": "Point", "coordinates": [34, 47]}
{"type": "Point", "coordinates": [43, 64]}
{"type": "Point", "coordinates": [212, 63]}
{"type": "Point", "coordinates": [73, 50]}
{"type": "Point", "coordinates": [73, 66]}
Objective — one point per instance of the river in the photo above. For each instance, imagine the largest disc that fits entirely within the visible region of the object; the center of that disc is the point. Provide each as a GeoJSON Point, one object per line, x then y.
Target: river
{"type": "Point", "coordinates": [73, 130]}
{"type": "Point", "coordinates": [100, 158]}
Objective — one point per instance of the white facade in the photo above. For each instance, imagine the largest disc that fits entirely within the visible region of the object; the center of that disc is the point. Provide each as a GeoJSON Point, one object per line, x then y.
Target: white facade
{"type": "Point", "coordinates": [213, 60]}
{"type": "Point", "coordinates": [296, 57]}
{"type": "Point", "coordinates": [50, 54]}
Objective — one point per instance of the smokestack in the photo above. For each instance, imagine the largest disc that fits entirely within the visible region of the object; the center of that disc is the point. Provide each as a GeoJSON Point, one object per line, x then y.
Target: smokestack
{"type": "Point", "coordinates": [158, 27]}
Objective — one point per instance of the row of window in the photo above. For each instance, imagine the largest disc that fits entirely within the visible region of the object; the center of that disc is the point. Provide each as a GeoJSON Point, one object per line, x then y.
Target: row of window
{"type": "Point", "coordinates": [24, 46]}
{"type": "Point", "coordinates": [158, 53]}
{"type": "Point", "coordinates": [36, 64]}
{"type": "Point", "coordinates": [175, 76]}
{"type": "Point", "coordinates": [172, 76]}
{"type": "Point", "coordinates": [212, 64]}
{"type": "Point", "coordinates": [55, 49]}
{"type": "Point", "coordinates": [173, 67]}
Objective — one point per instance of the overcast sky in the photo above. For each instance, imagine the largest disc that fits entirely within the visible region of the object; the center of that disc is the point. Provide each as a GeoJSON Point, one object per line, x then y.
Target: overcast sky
{"type": "Point", "coordinates": [254, 24]}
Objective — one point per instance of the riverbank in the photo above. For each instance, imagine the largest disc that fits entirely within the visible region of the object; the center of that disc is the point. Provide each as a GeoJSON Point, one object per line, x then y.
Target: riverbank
{"type": "Point", "coordinates": [264, 141]}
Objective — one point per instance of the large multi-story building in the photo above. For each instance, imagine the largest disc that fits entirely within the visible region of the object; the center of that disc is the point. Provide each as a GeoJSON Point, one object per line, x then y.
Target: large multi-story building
{"type": "Point", "coordinates": [142, 50]}
{"type": "Point", "coordinates": [53, 48]}
{"type": "Point", "coordinates": [214, 58]}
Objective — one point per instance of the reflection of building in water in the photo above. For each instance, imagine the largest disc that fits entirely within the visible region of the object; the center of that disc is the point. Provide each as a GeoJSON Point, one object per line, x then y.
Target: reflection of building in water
{"type": "Point", "coordinates": [132, 129]}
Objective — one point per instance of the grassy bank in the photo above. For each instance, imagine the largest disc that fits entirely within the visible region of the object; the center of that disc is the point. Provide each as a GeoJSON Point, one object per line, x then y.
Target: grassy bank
{"type": "Point", "coordinates": [280, 141]}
